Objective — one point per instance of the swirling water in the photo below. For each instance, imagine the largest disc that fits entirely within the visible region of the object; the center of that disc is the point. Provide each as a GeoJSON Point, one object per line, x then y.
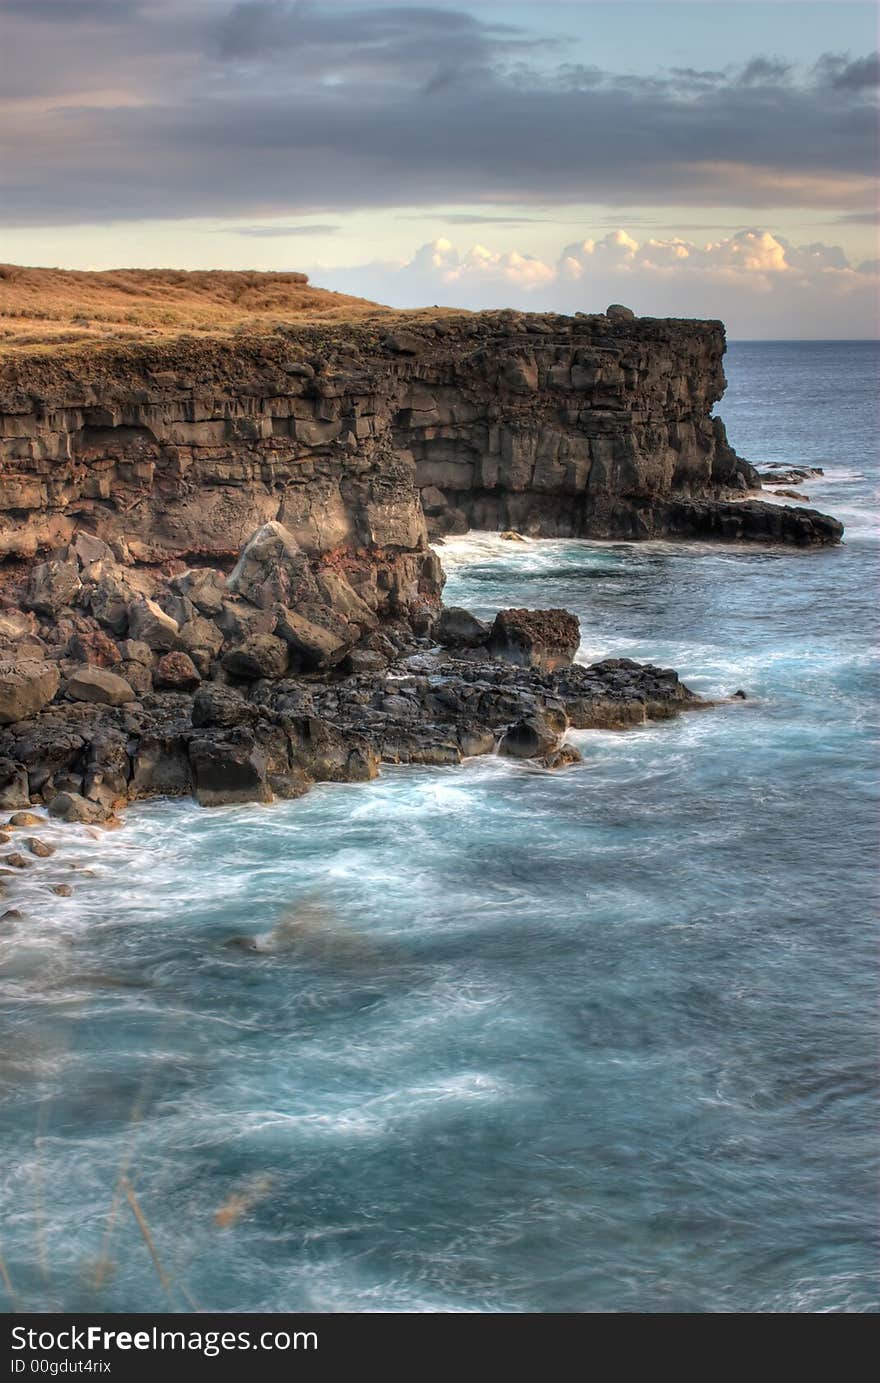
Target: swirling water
{"type": "Point", "coordinates": [596, 1041]}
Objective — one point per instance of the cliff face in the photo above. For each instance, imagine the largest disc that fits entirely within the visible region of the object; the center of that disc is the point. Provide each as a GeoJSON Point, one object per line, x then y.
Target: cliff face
{"type": "Point", "coordinates": [590, 426]}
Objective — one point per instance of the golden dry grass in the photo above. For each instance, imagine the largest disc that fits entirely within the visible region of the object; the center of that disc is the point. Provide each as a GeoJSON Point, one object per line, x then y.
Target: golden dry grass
{"type": "Point", "coordinates": [42, 308]}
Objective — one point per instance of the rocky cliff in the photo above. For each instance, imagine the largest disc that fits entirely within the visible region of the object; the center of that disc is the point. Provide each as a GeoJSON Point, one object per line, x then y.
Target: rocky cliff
{"type": "Point", "coordinates": [594, 426]}
{"type": "Point", "coordinates": [216, 573]}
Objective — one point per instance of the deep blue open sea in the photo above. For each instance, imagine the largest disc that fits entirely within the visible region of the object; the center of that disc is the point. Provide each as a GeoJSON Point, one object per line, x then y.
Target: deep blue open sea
{"type": "Point", "coordinates": [595, 1041]}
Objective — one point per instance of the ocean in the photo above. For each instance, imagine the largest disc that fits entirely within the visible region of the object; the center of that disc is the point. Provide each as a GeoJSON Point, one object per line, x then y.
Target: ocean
{"type": "Point", "coordinates": [601, 1040]}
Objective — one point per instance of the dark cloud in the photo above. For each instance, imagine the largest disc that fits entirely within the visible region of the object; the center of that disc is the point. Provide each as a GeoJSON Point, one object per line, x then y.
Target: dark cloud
{"type": "Point", "coordinates": [291, 110]}
{"type": "Point", "coordinates": [864, 72]}
{"type": "Point", "coordinates": [282, 232]}
{"type": "Point", "coordinates": [764, 71]}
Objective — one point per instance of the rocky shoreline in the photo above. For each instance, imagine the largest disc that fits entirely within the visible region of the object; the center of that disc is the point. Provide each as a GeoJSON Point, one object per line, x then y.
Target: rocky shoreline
{"type": "Point", "coordinates": [218, 577]}
{"type": "Point", "coordinates": [128, 685]}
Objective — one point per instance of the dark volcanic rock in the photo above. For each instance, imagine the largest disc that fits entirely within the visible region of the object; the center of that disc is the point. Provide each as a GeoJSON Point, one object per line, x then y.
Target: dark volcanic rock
{"type": "Point", "coordinates": [227, 768]}
{"type": "Point", "coordinates": [545, 639]}
{"type": "Point", "coordinates": [176, 672]}
{"type": "Point", "coordinates": [457, 628]}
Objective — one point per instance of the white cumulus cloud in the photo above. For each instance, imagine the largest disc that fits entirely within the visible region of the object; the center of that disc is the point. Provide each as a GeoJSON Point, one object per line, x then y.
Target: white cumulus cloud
{"type": "Point", "coordinates": [755, 281]}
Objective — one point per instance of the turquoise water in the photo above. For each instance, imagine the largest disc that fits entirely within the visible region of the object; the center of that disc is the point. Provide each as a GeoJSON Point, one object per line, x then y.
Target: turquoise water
{"type": "Point", "coordinates": [590, 1042]}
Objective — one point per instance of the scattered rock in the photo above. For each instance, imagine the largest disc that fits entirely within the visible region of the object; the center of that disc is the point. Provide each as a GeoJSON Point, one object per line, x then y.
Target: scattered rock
{"type": "Point", "coordinates": [25, 819]}
{"type": "Point", "coordinates": [52, 586]}
{"type": "Point", "coordinates": [262, 655]}
{"type": "Point", "coordinates": [176, 672]}
{"type": "Point", "coordinates": [98, 685]}
{"type": "Point", "coordinates": [26, 687]}
{"type": "Point", "coordinates": [63, 890]}
{"type": "Point", "coordinates": [39, 847]}
{"type": "Point", "coordinates": [17, 861]}
{"type": "Point", "coordinates": [71, 806]}
{"type": "Point", "coordinates": [312, 645]}
{"type": "Point", "coordinates": [149, 624]}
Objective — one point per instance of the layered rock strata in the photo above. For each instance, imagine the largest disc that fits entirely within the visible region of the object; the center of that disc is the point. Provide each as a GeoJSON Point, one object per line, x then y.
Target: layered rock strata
{"type": "Point", "coordinates": [595, 426]}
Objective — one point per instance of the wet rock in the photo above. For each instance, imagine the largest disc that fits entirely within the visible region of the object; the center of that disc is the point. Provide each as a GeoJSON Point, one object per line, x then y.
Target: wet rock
{"type": "Point", "coordinates": [71, 806]}
{"type": "Point", "coordinates": [739, 695]}
{"type": "Point", "coordinates": [98, 685]}
{"type": "Point", "coordinates": [511, 537]}
{"type": "Point", "coordinates": [14, 790]}
{"type": "Point", "coordinates": [25, 819]}
{"type": "Point", "coordinates": [262, 655]}
{"type": "Point", "coordinates": [176, 672]}
{"type": "Point", "coordinates": [39, 847]}
{"type": "Point", "coordinates": [563, 757]}
{"type": "Point", "coordinates": [228, 769]}
{"type": "Point", "coordinates": [473, 740]}
{"type": "Point", "coordinates": [16, 861]}
{"type": "Point", "coordinates": [26, 686]}
{"type": "Point", "coordinates": [529, 739]}
{"type": "Point", "coordinates": [545, 639]}
{"type": "Point", "coordinates": [458, 628]}
{"type": "Point", "coordinates": [62, 890]}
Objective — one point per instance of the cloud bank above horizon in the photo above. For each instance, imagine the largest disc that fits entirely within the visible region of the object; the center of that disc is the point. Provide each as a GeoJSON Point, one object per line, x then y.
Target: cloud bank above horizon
{"type": "Point", "coordinates": [753, 280]}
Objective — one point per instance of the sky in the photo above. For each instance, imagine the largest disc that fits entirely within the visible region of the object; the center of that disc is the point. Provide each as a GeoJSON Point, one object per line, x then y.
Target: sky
{"type": "Point", "coordinates": [696, 158]}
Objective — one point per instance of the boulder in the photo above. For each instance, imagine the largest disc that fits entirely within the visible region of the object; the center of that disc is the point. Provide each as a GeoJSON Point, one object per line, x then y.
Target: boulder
{"type": "Point", "coordinates": [88, 549]}
{"type": "Point", "coordinates": [149, 624]}
{"type": "Point", "coordinates": [51, 586]}
{"type": "Point", "coordinates": [71, 806]}
{"type": "Point", "coordinates": [262, 655]}
{"type": "Point", "coordinates": [26, 686]}
{"type": "Point", "coordinates": [176, 672]}
{"type": "Point", "coordinates": [563, 757]}
{"type": "Point", "coordinates": [402, 343]}
{"type": "Point", "coordinates": [529, 739]}
{"type": "Point", "coordinates": [345, 601]}
{"type": "Point", "coordinates": [272, 569]}
{"type": "Point", "coordinates": [95, 647]}
{"type": "Point", "coordinates": [201, 635]}
{"type": "Point", "coordinates": [458, 628]}
{"type": "Point", "coordinates": [616, 312]}
{"type": "Point", "coordinates": [218, 705]}
{"type": "Point", "coordinates": [543, 639]}
{"type": "Point", "coordinates": [97, 684]}
{"type": "Point", "coordinates": [204, 586]}
{"type": "Point", "coordinates": [311, 644]}
{"type": "Point", "coordinates": [228, 770]}
{"type": "Point", "coordinates": [39, 847]}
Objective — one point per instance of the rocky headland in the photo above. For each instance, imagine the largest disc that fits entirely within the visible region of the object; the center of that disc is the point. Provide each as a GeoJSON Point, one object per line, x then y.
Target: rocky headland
{"type": "Point", "coordinates": [217, 574]}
